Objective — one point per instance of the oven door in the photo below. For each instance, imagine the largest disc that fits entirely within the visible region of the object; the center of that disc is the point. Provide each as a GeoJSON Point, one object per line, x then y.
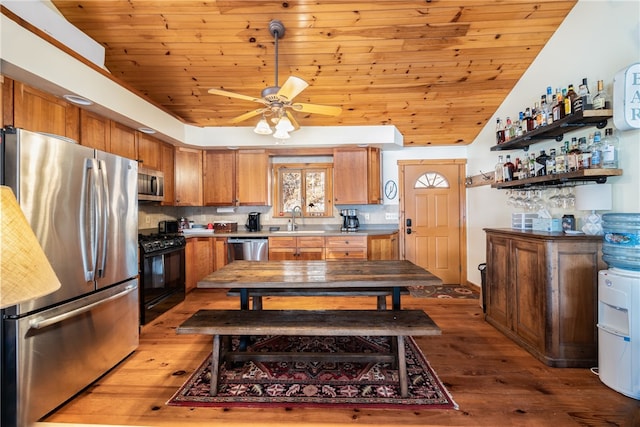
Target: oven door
{"type": "Point", "coordinates": [162, 283]}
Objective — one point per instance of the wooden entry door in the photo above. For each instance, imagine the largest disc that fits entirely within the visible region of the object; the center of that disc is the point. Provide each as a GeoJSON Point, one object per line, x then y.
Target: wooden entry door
{"type": "Point", "coordinates": [432, 217]}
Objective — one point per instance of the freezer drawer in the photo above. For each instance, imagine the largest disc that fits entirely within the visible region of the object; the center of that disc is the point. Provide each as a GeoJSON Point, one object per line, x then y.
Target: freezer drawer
{"type": "Point", "coordinates": [56, 353]}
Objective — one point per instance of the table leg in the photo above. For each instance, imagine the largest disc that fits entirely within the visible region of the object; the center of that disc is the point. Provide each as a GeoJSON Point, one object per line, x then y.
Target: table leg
{"type": "Point", "coordinates": [215, 365]}
{"type": "Point", "coordinates": [244, 299]}
{"type": "Point", "coordinates": [396, 298]}
{"type": "Point", "coordinates": [402, 367]}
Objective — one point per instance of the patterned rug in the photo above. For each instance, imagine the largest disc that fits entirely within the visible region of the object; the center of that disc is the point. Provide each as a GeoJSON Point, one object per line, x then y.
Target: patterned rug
{"type": "Point", "coordinates": [317, 384]}
{"type": "Point", "coordinates": [444, 291]}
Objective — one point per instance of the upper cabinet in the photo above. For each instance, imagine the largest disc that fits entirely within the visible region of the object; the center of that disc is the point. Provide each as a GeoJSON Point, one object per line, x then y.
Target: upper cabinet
{"type": "Point", "coordinates": [40, 112]}
{"type": "Point", "coordinates": [95, 131]}
{"type": "Point", "coordinates": [123, 141]}
{"type": "Point", "coordinates": [219, 178]}
{"type": "Point", "coordinates": [356, 176]}
{"type": "Point", "coordinates": [149, 151]}
{"type": "Point", "coordinates": [188, 177]}
{"type": "Point", "coordinates": [168, 170]}
{"type": "Point", "coordinates": [252, 178]}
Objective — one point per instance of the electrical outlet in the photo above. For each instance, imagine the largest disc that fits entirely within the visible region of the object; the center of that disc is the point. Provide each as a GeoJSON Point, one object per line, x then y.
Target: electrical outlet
{"type": "Point", "coordinates": [147, 219]}
{"type": "Point", "coordinates": [366, 216]}
{"type": "Point", "coordinates": [390, 215]}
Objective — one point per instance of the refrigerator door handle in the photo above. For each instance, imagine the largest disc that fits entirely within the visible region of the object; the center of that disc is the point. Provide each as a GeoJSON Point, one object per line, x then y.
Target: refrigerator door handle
{"type": "Point", "coordinates": [87, 220]}
{"type": "Point", "coordinates": [40, 323]}
{"type": "Point", "coordinates": [102, 211]}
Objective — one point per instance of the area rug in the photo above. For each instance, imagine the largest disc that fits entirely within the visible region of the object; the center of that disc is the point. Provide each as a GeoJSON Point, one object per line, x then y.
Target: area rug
{"type": "Point", "coordinates": [444, 292]}
{"type": "Point", "coordinates": [318, 384]}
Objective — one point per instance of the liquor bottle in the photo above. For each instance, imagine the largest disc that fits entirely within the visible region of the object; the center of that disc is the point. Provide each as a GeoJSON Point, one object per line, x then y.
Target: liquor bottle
{"type": "Point", "coordinates": [560, 98]}
{"type": "Point", "coordinates": [583, 92]}
{"type": "Point", "coordinates": [499, 170]}
{"type": "Point", "coordinates": [572, 158]}
{"type": "Point", "coordinates": [576, 101]}
{"type": "Point", "coordinates": [528, 118]}
{"type": "Point", "coordinates": [561, 161]}
{"type": "Point", "coordinates": [519, 171]}
{"type": "Point", "coordinates": [499, 131]}
{"type": "Point", "coordinates": [509, 169]}
{"type": "Point", "coordinates": [585, 154]}
{"type": "Point", "coordinates": [539, 115]}
{"type": "Point", "coordinates": [570, 96]}
{"type": "Point", "coordinates": [532, 165]}
{"type": "Point", "coordinates": [519, 125]}
{"type": "Point", "coordinates": [609, 150]}
{"type": "Point", "coordinates": [599, 99]}
{"type": "Point", "coordinates": [596, 151]}
{"type": "Point", "coordinates": [509, 131]}
{"type": "Point", "coordinates": [550, 165]}
{"type": "Point", "coordinates": [541, 164]}
{"type": "Point", "coordinates": [548, 108]}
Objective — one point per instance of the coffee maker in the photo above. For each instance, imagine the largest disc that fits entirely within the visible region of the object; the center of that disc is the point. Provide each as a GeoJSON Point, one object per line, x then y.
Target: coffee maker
{"type": "Point", "coordinates": [253, 221]}
{"type": "Point", "coordinates": [349, 220]}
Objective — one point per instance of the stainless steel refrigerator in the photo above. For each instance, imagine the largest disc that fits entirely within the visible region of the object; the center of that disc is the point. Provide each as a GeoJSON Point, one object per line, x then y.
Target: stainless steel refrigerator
{"type": "Point", "coordinates": [82, 206]}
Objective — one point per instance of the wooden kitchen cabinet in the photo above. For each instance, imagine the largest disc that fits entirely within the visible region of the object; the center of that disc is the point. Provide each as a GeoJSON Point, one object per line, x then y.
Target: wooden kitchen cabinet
{"type": "Point", "coordinates": [123, 141]}
{"type": "Point", "coordinates": [356, 176]}
{"type": "Point", "coordinates": [95, 131]}
{"type": "Point", "coordinates": [149, 151]}
{"type": "Point", "coordinates": [220, 253]}
{"type": "Point", "coordinates": [252, 178]}
{"type": "Point", "coordinates": [303, 248]}
{"type": "Point", "coordinates": [345, 247]}
{"type": "Point", "coordinates": [40, 112]}
{"type": "Point", "coordinates": [383, 246]}
{"type": "Point", "coordinates": [541, 291]}
{"type": "Point", "coordinates": [199, 260]}
{"type": "Point", "coordinates": [219, 178]}
{"type": "Point", "coordinates": [168, 159]}
{"type": "Point", "coordinates": [188, 177]}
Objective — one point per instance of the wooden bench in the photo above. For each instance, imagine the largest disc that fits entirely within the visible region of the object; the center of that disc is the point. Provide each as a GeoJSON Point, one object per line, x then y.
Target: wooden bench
{"type": "Point", "coordinates": [257, 294]}
{"type": "Point", "coordinates": [225, 323]}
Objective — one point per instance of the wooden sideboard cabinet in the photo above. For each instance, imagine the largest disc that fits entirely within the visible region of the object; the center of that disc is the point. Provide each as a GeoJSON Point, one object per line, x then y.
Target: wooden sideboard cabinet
{"type": "Point", "coordinates": [541, 291]}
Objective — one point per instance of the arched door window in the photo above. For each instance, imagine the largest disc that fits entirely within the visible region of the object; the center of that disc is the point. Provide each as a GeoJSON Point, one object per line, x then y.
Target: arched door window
{"type": "Point", "coordinates": [431, 180]}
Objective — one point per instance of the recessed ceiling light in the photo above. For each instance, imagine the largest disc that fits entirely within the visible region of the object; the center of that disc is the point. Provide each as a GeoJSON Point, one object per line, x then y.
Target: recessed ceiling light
{"type": "Point", "coordinates": [77, 99]}
{"type": "Point", "coordinates": [147, 130]}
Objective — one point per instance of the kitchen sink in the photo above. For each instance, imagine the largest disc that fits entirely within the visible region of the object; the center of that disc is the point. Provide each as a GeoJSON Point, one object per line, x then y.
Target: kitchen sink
{"type": "Point", "coordinates": [299, 232]}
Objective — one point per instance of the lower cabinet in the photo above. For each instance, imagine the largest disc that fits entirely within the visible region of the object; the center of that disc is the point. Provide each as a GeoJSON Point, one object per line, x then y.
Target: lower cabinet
{"type": "Point", "coordinates": [347, 247]}
{"type": "Point", "coordinates": [541, 291]}
{"type": "Point", "coordinates": [305, 248]}
{"type": "Point", "coordinates": [203, 255]}
{"type": "Point", "coordinates": [383, 246]}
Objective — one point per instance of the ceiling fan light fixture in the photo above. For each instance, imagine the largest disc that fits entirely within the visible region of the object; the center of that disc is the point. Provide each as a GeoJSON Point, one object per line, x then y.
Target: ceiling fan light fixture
{"type": "Point", "coordinates": [281, 134]}
{"type": "Point", "coordinates": [262, 127]}
{"type": "Point", "coordinates": [284, 124]}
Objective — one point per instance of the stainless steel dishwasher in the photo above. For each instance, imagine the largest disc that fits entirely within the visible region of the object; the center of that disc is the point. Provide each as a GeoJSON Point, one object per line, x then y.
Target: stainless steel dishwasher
{"type": "Point", "coordinates": [249, 249]}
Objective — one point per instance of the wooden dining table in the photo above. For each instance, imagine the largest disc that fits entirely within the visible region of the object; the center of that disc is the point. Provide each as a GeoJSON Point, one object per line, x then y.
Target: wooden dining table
{"type": "Point", "coordinates": [247, 275]}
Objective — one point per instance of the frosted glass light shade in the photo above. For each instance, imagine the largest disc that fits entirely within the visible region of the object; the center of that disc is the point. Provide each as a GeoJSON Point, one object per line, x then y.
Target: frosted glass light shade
{"type": "Point", "coordinates": [285, 124]}
{"type": "Point", "coordinates": [262, 127]}
{"type": "Point", "coordinates": [281, 134]}
{"type": "Point", "coordinates": [593, 197]}
{"type": "Point", "coordinates": [25, 272]}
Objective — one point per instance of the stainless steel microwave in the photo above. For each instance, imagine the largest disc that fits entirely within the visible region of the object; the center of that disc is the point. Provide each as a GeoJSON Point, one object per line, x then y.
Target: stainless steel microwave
{"type": "Point", "coordinates": [150, 185]}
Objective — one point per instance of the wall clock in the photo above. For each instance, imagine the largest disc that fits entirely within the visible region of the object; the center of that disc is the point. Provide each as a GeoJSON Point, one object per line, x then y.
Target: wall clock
{"type": "Point", "coordinates": [390, 189]}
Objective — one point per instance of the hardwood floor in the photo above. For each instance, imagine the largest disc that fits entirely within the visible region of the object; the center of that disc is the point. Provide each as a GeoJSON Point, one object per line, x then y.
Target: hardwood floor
{"type": "Point", "coordinates": [494, 382]}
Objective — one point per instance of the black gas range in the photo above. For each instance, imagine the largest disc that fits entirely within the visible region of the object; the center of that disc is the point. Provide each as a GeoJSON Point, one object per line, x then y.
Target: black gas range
{"type": "Point", "coordinates": [162, 273]}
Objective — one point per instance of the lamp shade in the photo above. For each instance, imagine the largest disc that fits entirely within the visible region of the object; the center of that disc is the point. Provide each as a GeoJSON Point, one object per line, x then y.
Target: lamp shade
{"type": "Point", "coordinates": [25, 271]}
{"type": "Point", "coordinates": [593, 197]}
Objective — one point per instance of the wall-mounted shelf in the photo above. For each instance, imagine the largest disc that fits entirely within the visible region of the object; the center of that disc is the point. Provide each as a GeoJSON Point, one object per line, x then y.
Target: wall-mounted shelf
{"type": "Point", "coordinates": [561, 179]}
{"type": "Point", "coordinates": [557, 129]}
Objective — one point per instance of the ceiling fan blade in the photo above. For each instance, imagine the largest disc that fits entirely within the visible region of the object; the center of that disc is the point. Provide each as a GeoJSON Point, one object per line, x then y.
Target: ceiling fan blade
{"type": "Point", "coordinates": [248, 115]}
{"type": "Point", "coordinates": [293, 121]}
{"type": "Point", "coordinates": [291, 88]}
{"type": "Point", "coordinates": [235, 95]}
{"type": "Point", "coordinates": [327, 110]}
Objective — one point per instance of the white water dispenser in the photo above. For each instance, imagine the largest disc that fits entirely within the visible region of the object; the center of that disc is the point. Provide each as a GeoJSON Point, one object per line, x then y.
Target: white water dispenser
{"type": "Point", "coordinates": [619, 330]}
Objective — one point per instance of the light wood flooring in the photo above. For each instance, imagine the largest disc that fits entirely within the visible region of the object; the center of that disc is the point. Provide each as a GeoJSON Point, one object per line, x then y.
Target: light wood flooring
{"type": "Point", "coordinates": [494, 382]}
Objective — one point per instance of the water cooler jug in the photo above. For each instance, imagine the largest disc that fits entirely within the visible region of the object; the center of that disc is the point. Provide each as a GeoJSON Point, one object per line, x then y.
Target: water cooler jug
{"type": "Point", "coordinates": [619, 330]}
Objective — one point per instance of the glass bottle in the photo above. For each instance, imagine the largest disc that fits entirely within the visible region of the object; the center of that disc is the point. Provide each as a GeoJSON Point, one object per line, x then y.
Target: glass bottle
{"type": "Point", "coordinates": [560, 97]}
{"type": "Point", "coordinates": [541, 119]}
{"type": "Point", "coordinates": [550, 165]}
{"type": "Point", "coordinates": [599, 99]}
{"type": "Point", "coordinates": [520, 125]}
{"type": "Point", "coordinates": [609, 150]}
{"type": "Point", "coordinates": [561, 160]}
{"type": "Point", "coordinates": [596, 151]}
{"type": "Point", "coordinates": [574, 100]}
{"type": "Point", "coordinates": [499, 170]}
{"type": "Point", "coordinates": [585, 154]}
{"type": "Point", "coordinates": [583, 92]}
{"type": "Point", "coordinates": [572, 157]}
{"type": "Point", "coordinates": [499, 131]}
{"type": "Point", "coordinates": [548, 108]}
{"type": "Point", "coordinates": [509, 169]}
{"type": "Point", "coordinates": [509, 132]}
{"type": "Point", "coordinates": [541, 164]}
{"type": "Point", "coordinates": [528, 118]}
{"type": "Point", "coordinates": [532, 165]}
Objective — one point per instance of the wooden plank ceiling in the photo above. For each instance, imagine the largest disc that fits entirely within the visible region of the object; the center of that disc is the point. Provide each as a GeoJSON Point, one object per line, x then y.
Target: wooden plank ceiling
{"type": "Point", "coordinates": [436, 69]}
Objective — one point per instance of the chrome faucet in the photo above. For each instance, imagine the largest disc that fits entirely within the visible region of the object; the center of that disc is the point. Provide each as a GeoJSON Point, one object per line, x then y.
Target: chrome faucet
{"type": "Point", "coordinates": [294, 226]}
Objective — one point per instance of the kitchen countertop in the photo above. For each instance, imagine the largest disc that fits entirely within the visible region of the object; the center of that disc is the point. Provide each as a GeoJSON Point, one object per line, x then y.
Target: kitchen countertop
{"type": "Point", "coordinates": [265, 233]}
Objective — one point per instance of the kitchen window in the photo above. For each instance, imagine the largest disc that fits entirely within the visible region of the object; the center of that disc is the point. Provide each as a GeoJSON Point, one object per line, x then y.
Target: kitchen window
{"type": "Point", "coordinates": [307, 185]}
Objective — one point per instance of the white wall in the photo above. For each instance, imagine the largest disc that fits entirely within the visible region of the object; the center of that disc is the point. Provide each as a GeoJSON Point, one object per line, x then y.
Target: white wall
{"type": "Point", "coordinates": [596, 40]}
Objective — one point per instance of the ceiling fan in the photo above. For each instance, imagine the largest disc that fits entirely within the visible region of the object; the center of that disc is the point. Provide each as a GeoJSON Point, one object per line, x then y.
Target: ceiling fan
{"type": "Point", "coordinates": [277, 101]}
